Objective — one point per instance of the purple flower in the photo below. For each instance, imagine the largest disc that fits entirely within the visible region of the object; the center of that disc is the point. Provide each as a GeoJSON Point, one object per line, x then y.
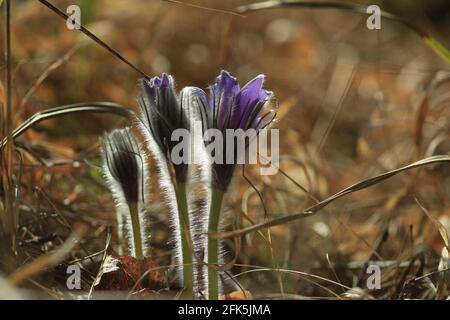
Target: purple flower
{"type": "Point", "coordinates": [230, 107]}
{"type": "Point", "coordinates": [162, 112]}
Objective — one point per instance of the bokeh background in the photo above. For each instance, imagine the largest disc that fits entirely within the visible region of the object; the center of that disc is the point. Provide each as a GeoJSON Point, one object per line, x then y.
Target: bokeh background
{"type": "Point", "coordinates": [352, 103]}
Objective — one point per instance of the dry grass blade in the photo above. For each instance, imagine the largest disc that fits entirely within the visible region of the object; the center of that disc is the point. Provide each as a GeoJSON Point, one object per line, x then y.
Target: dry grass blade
{"type": "Point", "coordinates": [304, 275]}
{"type": "Point", "coordinates": [315, 208]}
{"type": "Point", "coordinates": [45, 74]}
{"type": "Point", "coordinates": [273, 4]}
{"type": "Point", "coordinates": [103, 107]}
{"type": "Point", "coordinates": [420, 121]}
{"type": "Point", "coordinates": [437, 223]}
{"type": "Point", "coordinates": [203, 8]}
{"type": "Point", "coordinates": [95, 38]}
{"type": "Point", "coordinates": [100, 271]}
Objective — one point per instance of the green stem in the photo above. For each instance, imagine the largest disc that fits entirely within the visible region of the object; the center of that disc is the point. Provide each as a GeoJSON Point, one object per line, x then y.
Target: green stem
{"type": "Point", "coordinates": [186, 247]}
{"type": "Point", "coordinates": [213, 246]}
{"type": "Point", "coordinates": [137, 239]}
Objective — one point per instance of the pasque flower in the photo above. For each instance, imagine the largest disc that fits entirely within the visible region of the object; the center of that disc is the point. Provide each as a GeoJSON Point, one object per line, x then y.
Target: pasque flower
{"type": "Point", "coordinates": [162, 112]}
{"type": "Point", "coordinates": [229, 107]}
{"type": "Point", "coordinates": [126, 175]}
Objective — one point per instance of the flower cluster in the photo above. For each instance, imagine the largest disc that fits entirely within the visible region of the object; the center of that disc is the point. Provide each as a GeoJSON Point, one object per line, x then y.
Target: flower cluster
{"type": "Point", "coordinates": [162, 111]}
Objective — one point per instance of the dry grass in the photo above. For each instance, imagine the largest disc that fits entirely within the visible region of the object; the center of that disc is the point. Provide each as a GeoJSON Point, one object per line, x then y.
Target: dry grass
{"type": "Point", "coordinates": [353, 104]}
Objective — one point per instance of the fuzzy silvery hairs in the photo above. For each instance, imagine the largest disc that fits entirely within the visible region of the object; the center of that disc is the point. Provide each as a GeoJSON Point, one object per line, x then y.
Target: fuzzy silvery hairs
{"type": "Point", "coordinates": [126, 174]}
{"type": "Point", "coordinates": [229, 107]}
{"type": "Point", "coordinates": [162, 112]}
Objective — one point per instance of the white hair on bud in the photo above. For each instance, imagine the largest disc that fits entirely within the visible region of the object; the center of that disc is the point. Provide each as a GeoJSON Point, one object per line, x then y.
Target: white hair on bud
{"type": "Point", "coordinates": [143, 204]}
{"type": "Point", "coordinates": [199, 177]}
{"type": "Point", "coordinates": [122, 210]}
{"type": "Point", "coordinates": [166, 185]}
{"type": "Point", "coordinates": [123, 214]}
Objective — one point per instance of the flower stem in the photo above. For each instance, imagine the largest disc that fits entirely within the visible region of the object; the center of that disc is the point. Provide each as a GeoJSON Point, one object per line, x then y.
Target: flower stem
{"type": "Point", "coordinates": [213, 246]}
{"type": "Point", "coordinates": [186, 247]}
{"type": "Point", "coordinates": [137, 239]}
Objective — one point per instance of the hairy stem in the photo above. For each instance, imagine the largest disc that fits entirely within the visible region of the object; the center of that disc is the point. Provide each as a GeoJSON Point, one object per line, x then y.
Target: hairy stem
{"type": "Point", "coordinates": [135, 224]}
{"type": "Point", "coordinates": [213, 245]}
{"type": "Point", "coordinates": [186, 247]}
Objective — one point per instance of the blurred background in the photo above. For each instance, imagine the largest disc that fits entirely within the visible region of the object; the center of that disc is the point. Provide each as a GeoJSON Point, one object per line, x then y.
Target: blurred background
{"type": "Point", "coordinates": [352, 103]}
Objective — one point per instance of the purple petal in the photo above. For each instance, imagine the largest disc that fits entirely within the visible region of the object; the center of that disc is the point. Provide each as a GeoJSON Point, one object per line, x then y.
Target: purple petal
{"type": "Point", "coordinates": [223, 96]}
{"type": "Point", "coordinates": [166, 81]}
{"type": "Point", "coordinates": [253, 89]}
{"type": "Point", "coordinates": [249, 97]}
{"type": "Point", "coordinates": [160, 108]}
{"type": "Point", "coordinates": [155, 82]}
{"type": "Point", "coordinates": [154, 85]}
